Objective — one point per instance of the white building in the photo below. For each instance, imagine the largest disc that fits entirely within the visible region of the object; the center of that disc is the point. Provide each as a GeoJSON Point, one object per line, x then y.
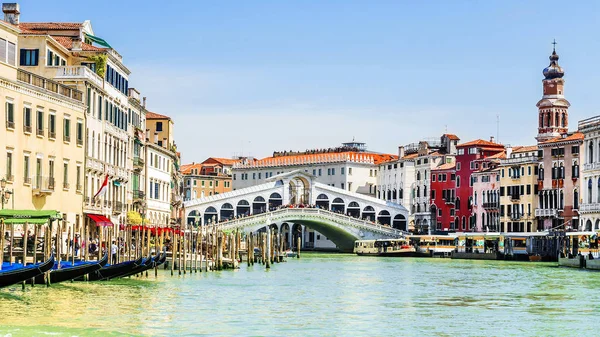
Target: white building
{"type": "Point", "coordinates": [158, 176]}
{"type": "Point", "coordinates": [405, 180]}
{"type": "Point", "coordinates": [349, 167]}
{"type": "Point", "coordinates": [590, 174]}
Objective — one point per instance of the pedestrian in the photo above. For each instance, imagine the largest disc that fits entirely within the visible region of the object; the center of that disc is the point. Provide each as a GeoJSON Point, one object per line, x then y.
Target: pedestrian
{"type": "Point", "coordinates": [113, 252]}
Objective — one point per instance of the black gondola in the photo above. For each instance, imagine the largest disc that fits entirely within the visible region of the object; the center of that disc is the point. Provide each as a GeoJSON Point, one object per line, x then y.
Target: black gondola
{"type": "Point", "coordinates": [148, 264]}
{"type": "Point", "coordinates": [113, 271]}
{"type": "Point", "coordinates": [162, 259]}
{"type": "Point", "coordinates": [71, 273]}
{"type": "Point", "coordinates": [17, 275]}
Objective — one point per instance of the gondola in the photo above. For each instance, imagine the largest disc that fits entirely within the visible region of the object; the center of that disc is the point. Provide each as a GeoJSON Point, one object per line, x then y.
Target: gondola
{"type": "Point", "coordinates": [17, 273]}
{"type": "Point", "coordinates": [70, 272]}
{"type": "Point", "coordinates": [162, 259]}
{"type": "Point", "coordinates": [149, 263]}
{"type": "Point", "coordinates": [113, 271]}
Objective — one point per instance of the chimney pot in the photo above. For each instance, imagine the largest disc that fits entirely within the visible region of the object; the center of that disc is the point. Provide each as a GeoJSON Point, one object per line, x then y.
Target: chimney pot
{"type": "Point", "coordinates": [76, 44]}
{"type": "Point", "coordinates": [11, 12]}
{"type": "Point", "coordinates": [400, 152]}
{"type": "Point", "coordinates": [144, 102]}
{"type": "Point", "coordinates": [492, 139]}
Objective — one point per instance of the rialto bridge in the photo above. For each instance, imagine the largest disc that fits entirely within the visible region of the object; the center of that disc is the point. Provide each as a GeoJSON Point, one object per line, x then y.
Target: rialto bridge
{"type": "Point", "coordinates": [292, 201]}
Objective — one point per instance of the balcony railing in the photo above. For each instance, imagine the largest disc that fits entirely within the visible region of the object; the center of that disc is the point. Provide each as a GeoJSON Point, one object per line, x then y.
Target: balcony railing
{"type": "Point", "coordinates": [39, 132]}
{"type": "Point", "coordinates": [79, 72]}
{"type": "Point", "coordinates": [450, 200]}
{"type": "Point", "coordinates": [10, 125]}
{"type": "Point", "coordinates": [67, 138]}
{"type": "Point", "coordinates": [490, 205]}
{"type": "Point", "coordinates": [27, 128]}
{"type": "Point", "coordinates": [137, 161]}
{"type": "Point", "coordinates": [51, 134]}
{"type": "Point", "coordinates": [516, 216]}
{"type": "Point", "coordinates": [43, 184]}
{"type": "Point", "coordinates": [546, 212]}
{"type": "Point", "coordinates": [10, 178]}
{"type": "Point", "coordinates": [591, 166]}
{"type": "Point", "coordinates": [79, 188]}
{"type": "Point", "coordinates": [26, 180]}
{"type": "Point", "coordinates": [79, 142]}
{"type": "Point", "coordinates": [590, 207]}
{"type": "Point", "coordinates": [66, 186]}
{"type": "Point", "coordinates": [515, 197]}
{"type": "Point", "coordinates": [117, 206]}
{"type": "Point", "coordinates": [41, 82]}
{"type": "Point", "coordinates": [137, 194]}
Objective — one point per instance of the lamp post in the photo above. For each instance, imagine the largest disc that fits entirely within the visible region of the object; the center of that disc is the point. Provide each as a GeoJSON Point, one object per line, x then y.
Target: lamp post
{"type": "Point", "coordinates": [5, 193]}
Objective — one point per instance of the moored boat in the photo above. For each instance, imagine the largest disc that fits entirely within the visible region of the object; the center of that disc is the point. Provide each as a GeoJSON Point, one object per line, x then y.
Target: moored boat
{"type": "Point", "coordinates": [147, 263]}
{"type": "Point", "coordinates": [384, 247]}
{"type": "Point", "coordinates": [16, 273]}
{"type": "Point", "coordinates": [112, 271]}
{"type": "Point", "coordinates": [69, 271]}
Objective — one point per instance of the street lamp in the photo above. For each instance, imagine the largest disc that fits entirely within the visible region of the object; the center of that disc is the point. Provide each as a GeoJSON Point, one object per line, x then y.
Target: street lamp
{"type": "Point", "coordinates": [5, 193]}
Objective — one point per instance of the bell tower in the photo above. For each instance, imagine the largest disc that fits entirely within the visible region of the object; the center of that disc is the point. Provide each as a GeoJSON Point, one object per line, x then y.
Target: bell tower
{"type": "Point", "coordinates": [553, 108]}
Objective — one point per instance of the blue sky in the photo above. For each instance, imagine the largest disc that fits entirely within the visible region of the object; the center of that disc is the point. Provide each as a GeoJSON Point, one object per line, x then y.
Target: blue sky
{"type": "Point", "coordinates": [259, 76]}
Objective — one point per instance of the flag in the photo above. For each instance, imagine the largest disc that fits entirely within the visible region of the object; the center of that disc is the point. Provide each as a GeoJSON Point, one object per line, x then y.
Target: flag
{"type": "Point", "coordinates": [103, 188]}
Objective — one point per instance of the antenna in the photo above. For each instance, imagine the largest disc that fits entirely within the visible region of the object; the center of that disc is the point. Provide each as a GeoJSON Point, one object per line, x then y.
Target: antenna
{"type": "Point", "coordinates": [498, 128]}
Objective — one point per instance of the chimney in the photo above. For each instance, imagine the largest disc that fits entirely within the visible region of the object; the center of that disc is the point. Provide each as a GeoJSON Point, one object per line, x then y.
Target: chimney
{"type": "Point", "coordinates": [492, 139]}
{"type": "Point", "coordinates": [400, 152]}
{"type": "Point", "coordinates": [76, 44]}
{"type": "Point", "coordinates": [11, 13]}
{"type": "Point", "coordinates": [508, 151]}
{"type": "Point", "coordinates": [144, 102]}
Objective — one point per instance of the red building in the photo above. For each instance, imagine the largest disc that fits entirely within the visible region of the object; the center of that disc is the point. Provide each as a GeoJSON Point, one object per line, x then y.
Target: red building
{"type": "Point", "coordinates": [470, 158]}
{"type": "Point", "coordinates": [443, 195]}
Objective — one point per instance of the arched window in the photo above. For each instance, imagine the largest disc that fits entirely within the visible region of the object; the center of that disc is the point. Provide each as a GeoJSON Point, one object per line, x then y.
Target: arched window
{"type": "Point", "coordinates": [457, 181]}
{"type": "Point", "coordinates": [476, 198]}
{"type": "Point", "coordinates": [457, 203]}
{"type": "Point", "coordinates": [424, 191]}
{"type": "Point", "coordinates": [541, 120]}
{"type": "Point", "coordinates": [598, 191]}
{"type": "Point", "coordinates": [418, 175]}
{"type": "Point", "coordinates": [589, 191]}
{"type": "Point", "coordinates": [556, 119]}
{"type": "Point", "coordinates": [564, 120]}
{"type": "Point", "coordinates": [591, 152]}
{"type": "Point", "coordinates": [575, 199]}
{"type": "Point", "coordinates": [548, 119]}
{"type": "Point", "coordinates": [464, 223]}
{"type": "Point", "coordinates": [418, 191]}
{"type": "Point", "coordinates": [401, 196]}
{"type": "Point", "coordinates": [561, 201]}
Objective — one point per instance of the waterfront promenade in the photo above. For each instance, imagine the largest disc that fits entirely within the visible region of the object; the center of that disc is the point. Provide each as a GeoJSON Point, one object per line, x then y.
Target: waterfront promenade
{"type": "Point", "coordinates": [319, 294]}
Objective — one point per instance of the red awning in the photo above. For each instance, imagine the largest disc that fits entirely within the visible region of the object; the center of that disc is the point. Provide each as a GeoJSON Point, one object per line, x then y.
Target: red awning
{"type": "Point", "coordinates": [100, 220]}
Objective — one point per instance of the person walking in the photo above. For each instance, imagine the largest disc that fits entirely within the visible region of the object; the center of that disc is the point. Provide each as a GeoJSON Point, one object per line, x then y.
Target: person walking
{"type": "Point", "coordinates": [113, 252]}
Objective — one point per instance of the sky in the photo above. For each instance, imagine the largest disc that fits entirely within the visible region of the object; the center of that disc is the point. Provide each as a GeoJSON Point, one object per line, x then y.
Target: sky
{"type": "Point", "coordinates": [253, 77]}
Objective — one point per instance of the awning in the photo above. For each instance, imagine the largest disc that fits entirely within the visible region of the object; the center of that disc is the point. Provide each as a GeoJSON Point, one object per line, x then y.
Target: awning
{"type": "Point", "coordinates": [100, 220]}
{"type": "Point", "coordinates": [13, 216]}
{"type": "Point", "coordinates": [98, 40]}
{"type": "Point", "coordinates": [116, 183]}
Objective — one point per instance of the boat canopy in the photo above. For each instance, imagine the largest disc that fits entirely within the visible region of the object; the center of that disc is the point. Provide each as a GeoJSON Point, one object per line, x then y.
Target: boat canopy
{"type": "Point", "coordinates": [14, 216]}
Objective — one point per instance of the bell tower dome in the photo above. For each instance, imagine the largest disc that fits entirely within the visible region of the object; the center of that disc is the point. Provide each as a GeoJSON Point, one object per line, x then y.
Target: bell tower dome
{"type": "Point", "coordinates": [553, 108]}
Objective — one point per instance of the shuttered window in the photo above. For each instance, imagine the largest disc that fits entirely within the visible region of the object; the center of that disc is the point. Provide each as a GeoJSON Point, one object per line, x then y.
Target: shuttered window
{"type": "Point", "coordinates": [2, 50]}
{"type": "Point", "coordinates": [12, 54]}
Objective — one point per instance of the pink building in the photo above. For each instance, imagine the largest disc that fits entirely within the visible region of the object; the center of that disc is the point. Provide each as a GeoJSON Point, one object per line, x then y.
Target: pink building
{"type": "Point", "coordinates": [486, 195]}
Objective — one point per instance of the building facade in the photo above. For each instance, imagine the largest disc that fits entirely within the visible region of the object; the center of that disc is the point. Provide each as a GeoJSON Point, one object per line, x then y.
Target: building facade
{"type": "Point", "coordinates": [590, 173]}
{"type": "Point", "coordinates": [443, 197]}
{"type": "Point", "coordinates": [486, 200]}
{"type": "Point", "coordinates": [519, 190]}
{"type": "Point", "coordinates": [42, 140]}
{"type": "Point", "coordinates": [200, 180]}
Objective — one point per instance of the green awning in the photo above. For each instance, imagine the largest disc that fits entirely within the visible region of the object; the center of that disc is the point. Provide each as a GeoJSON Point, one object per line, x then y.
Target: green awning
{"type": "Point", "coordinates": [98, 40]}
{"type": "Point", "coordinates": [12, 216]}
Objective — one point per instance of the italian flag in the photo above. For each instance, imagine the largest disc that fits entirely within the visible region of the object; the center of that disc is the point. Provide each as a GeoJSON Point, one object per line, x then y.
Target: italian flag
{"type": "Point", "coordinates": [103, 188]}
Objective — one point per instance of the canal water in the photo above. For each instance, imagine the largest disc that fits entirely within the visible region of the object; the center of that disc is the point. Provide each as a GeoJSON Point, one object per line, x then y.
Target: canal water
{"type": "Point", "coordinates": [319, 295]}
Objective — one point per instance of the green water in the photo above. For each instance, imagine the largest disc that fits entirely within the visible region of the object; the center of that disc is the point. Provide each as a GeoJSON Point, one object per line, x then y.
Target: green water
{"type": "Point", "coordinates": [319, 295]}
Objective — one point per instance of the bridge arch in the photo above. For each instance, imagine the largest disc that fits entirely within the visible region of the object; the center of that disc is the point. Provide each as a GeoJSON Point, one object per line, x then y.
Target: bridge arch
{"type": "Point", "coordinates": [399, 222]}
{"type": "Point", "coordinates": [275, 200]}
{"type": "Point", "coordinates": [227, 212]}
{"type": "Point", "coordinates": [354, 209]}
{"type": "Point", "coordinates": [210, 215]}
{"type": "Point", "coordinates": [338, 205]}
{"type": "Point", "coordinates": [259, 205]}
{"type": "Point", "coordinates": [191, 217]}
{"type": "Point", "coordinates": [243, 208]}
{"type": "Point", "coordinates": [384, 217]}
{"type": "Point", "coordinates": [369, 213]}
{"type": "Point", "coordinates": [322, 201]}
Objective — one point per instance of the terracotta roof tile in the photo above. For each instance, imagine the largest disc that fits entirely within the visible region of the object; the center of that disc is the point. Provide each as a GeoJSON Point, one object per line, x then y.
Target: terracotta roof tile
{"type": "Point", "coordinates": [67, 42]}
{"type": "Point", "coordinates": [480, 142]}
{"type": "Point", "coordinates": [451, 136]}
{"type": "Point", "coordinates": [411, 156]}
{"type": "Point", "coordinates": [154, 115]}
{"type": "Point", "coordinates": [223, 161]}
{"type": "Point", "coordinates": [519, 149]}
{"type": "Point", "coordinates": [571, 137]}
{"type": "Point", "coordinates": [50, 25]}
{"type": "Point", "coordinates": [499, 155]}
{"type": "Point", "coordinates": [302, 159]}
{"type": "Point", "coordinates": [445, 166]}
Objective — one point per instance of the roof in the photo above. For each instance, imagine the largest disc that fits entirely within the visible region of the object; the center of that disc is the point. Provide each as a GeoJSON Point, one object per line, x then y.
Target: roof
{"type": "Point", "coordinates": [223, 161]}
{"type": "Point", "coordinates": [572, 137]}
{"type": "Point", "coordinates": [411, 156]}
{"type": "Point", "coordinates": [446, 166]}
{"type": "Point", "coordinates": [499, 155]}
{"type": "Point", "coordinates": [187, 168]}
{"type": "Point", "coordinates": [480, 142]}
{"type": "Point", "coordinates": [67, 42]}
{"type": "Point", "coordinates": [50, 25]}
{"type": "Point", "coordinates": [451, 136]}
{"type": "Point", "coordinates": [318, 158]}
{"type": "Point", "coordinates": [154, 115]}
{"type": "Point", "coordinates": [520, 149]}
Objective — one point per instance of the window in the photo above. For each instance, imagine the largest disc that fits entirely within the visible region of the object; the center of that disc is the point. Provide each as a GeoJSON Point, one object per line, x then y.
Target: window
{"type": "Point", "coordinates": [29, 57]}
{"type": "Point", "coordinates": [53, 59]}
{"type": "Point", "coordinates": [66, 175]}
{"type": "Point", "coordinates": [319, 172]}
{"type": "Point", "coordinates": [27, 119]}
{"type": "Point", "coordinates": [40, 123]}
{"type": "Point", "coordinates": [8, 52]}
{"type": "Point", "coordinates": [10, 114]}
{"type": "Point", "coordinates": [350, 171]}
{"type": "Point", "coordinates": [159, 126]}
{"type": "Point", "coordinates": [333, 171]}
{"type": "Point", "coordinates": [343, 171]}
{"type": "Point", "coordinates": [575, 150]}
{"type": "Point", "coordinates": [473, 150]}
{"type": "Point", "coordinates": [9, 175]}
{"type": "Point", "coordinates": [202, 183]}
{"type": "Point", "coordinates": [26, 178]}
{"type": "Point", "coordinates": [79, 132]}
{"type": "Point", "coordinates": [67, 130]}
{"type": "Point", "coordinates": [342, 186]}
{"type": "Point", "coordinates": [458, 166]}
{"type": "Point", "coordinates": [52, 125]}
{"type": "Point", "coordinates": [433, 177]}
{"type": "Point", "coordinates": [461, 152]}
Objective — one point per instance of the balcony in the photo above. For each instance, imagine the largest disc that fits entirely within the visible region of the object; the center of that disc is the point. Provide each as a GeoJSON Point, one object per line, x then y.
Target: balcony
{"type": "Point", "coordinates": [450, 200]}
{"type": "Point", "coordinates": [117, 207]}
{"type": "Point", "coordinates": [66, 138]}
{"type": "Point", "coordinates": [10, 125]}
{"type": "Point", "coordinates": [78, 73]}
{"type": "Point", "coordinates": [591, 166]}
{"type": "Point", "coordinates": [558, 183]}
{"type": "Point", "coordinates": [590, 207]}
{"type": "Point", "coordinates": [546, 213]}
{"type": "Point", "coordinates": [51, 135]}
{"type": "Point", "coordinates": [138, 162]}
{"type": "Point", "coordinates": [515, 197]}
{"type": "Point", "coordinates": [43, 185]}
{"type": "Point", "coordinates": [66, 186]}
{"type": "Point", "coordinates": [79, 188]}
{"type": "Point", "coordinates": [516, 216]}
{"type": "Point", "coordinates": [41, 82]}
{"type": "Point", "coordinates": [27, 128]}
{"type": "Point", "coordinates": [94, 164]}
{"type": "Point", "coordinates": [490, 205]}
{"type": "Point", "coordinates": [27, 180]}
{"type": "Point", "coordinates": [137, 194]}
{"type": "Point", "coordinates": [80, 142]}
{"type": "Point", "coordinates": [39, 132]}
